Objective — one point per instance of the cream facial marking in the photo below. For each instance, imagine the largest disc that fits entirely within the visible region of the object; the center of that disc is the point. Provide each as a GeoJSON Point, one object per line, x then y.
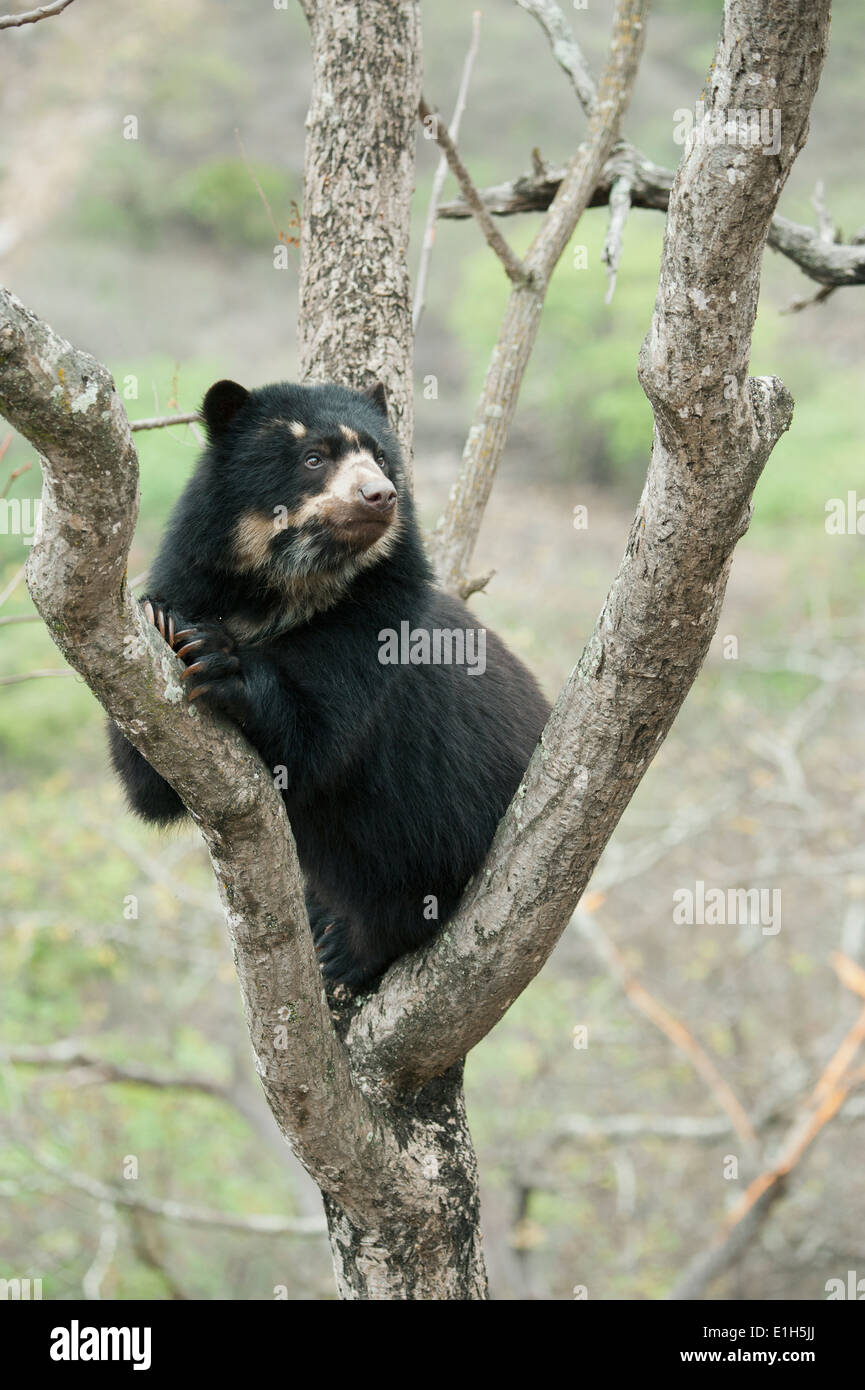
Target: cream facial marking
{"type": "Point", "coordinates": [350, 435]}
{"type": "Point", "coordinates": [252, 537]}
{"type": "Point", "coordinates": [297, 428]}
{"type": "Point", "coordinates": [343, 486]}
{"type": "Point", "coordinates": [351, 473]}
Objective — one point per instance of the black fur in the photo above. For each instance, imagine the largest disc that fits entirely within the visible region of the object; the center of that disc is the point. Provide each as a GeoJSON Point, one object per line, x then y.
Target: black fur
{"type": "Point", "coordinates": [396, 776]}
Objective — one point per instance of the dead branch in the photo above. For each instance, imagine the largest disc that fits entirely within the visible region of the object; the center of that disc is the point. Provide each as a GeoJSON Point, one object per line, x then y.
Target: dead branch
{"type": "Point", "coordinates": [834, 265]}
{"type": "Point", "coordinates": [565, 49]}
{"type": "Point", "coordinates": [670, 1026]}
{"type": "Point", "coordinates": [457, 532]}
{"type": "Point", "coordinates": [825, 1101]}
{"type": "Point", "coordinates": [14, 21]}
{"type": "Point", "coordinates": [160, 422]}
{"type": "Point", "coordinates": [36, 675]}
{"type": "Point", "coordinates": [16, 473]}
{"type": "Point", "coordinates": [514, 268]}
{"type": "Point", "coordinates": [90, 1069]}
{"type": "Point", "coordinates": [620, 206]}
{"type": "Point", "coordinates": [440, 176]}
{"type": "Point", "coordinates": [256, 1224]}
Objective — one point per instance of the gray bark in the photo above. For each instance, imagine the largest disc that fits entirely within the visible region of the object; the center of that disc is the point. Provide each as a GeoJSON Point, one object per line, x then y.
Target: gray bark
{"type": "Point", "coordinates": [355, 293]}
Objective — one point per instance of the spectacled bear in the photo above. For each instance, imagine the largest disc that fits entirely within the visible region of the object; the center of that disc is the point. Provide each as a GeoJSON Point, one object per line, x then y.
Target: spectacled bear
{"type": "Point", "coordinates": [293, 582]}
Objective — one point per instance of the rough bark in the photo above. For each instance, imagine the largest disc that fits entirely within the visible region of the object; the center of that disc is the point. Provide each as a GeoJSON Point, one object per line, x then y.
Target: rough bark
{"type": "Point", "coordinates": [355, 294]}
{"type": "Point", "coordinates": [419, 1250]}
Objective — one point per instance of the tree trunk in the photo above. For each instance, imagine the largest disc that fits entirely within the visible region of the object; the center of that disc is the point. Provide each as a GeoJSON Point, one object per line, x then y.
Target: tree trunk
{"type": "Point", "coordinates": [355, 292]}
{"type": "Point", "coordinates": [418, 1249]}
{"type": "Point", "coordinates": [355, 327]}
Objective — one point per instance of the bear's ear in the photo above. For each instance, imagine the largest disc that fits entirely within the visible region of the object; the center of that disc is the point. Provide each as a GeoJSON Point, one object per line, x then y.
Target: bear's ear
{"type": "Point", "coordinates": [378, 396]}
{"type": "Point", "coordinates": [220, 406]}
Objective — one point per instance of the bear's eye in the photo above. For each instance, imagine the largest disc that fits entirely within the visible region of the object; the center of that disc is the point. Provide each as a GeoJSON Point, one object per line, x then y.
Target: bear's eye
{"type": "Point", "coordinates": [313, 461]}
{"type": "Point", "coordinates": [380, 458]}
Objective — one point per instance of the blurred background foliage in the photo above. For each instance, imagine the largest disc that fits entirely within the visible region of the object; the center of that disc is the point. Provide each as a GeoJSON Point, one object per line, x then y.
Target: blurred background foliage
{"type": "Point", "coordinates": [156, 254]}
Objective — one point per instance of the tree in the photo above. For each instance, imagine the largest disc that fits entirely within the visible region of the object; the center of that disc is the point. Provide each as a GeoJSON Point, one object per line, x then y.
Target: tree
{"type": "Point", "coordinates": [368, 1092]}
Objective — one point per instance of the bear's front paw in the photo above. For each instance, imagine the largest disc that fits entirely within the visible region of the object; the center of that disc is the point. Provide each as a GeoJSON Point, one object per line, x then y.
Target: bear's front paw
{"type": "Point", "coordinates": [213, 671]}
{"type": "Point", "coordinates": [162, 619]}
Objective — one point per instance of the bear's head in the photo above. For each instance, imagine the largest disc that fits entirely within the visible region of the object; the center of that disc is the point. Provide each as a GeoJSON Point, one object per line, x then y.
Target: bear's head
{"type": "Point", "coordinates": [310, 480]}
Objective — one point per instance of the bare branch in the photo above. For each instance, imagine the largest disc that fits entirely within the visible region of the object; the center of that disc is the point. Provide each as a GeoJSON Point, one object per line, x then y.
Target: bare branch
{"type": "Point", "coordinates": [514, 267]}
{"type": "Point", "coordinates": [13, 584]}
{"type": "Point", "coordinates": [160, 422]}
{"type": "Point", "coordinates": [105, 1251]}
{"type": "Point", "coordinates": [68, 1056]}
{"type": "Point", "coordinates": [565, 48]}
{"type": "Point", "coordinates": [671, 1027]}
{"type": "Point", "coordinates": [256, 1224]}
{"type": "Point", "coordinates": [749, 1214]}
{"type": "Point", "coordinates": [457, 532]}
{"type": "Point", "coordinates": [620, 206]}
{"type": "Point", "coordinates": [14, 21]}
{"type": "Point", "coordinates": [829, 263]}
{"type": "Point", "coordinates": [476, 584]}
{"type": "Point", "coordinates": [797, 305]}
{"type": "Point", "coordinates": [354, 320]}
{"type": "Point", "coordinates": [533, 192]}
{"type": "Point", "coordinates": [35, 675]}
{"type": "Point", "coordinates": [704, 1129]}
{"type": "Point", "coordinates": [440, 176]}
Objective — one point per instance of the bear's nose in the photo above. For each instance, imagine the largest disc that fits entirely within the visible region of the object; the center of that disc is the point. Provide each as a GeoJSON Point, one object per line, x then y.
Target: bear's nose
{"type": "Point", "coordinates": [380, 494]}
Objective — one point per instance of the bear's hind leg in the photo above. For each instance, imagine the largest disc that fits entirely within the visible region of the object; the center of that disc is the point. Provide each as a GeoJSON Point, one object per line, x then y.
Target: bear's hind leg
{"type": "Point", "coordinates": [149, 795]}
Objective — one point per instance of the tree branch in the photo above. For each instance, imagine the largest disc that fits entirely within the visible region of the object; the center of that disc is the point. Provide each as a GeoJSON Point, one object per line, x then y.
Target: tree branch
{"type": "Point", "coordinates": [565, 48]}
{"type": "Point", "coordinates": [256, 1224]}
{"type": "Point", "coordinates": [670, 1026]}
{"type": "Point", "coordinates": [65, 403]}
{"type": "Point", "coordinates": [14, 21]}
{"type": "Point", "coordinates": [815, 252]}
{"type": "Point", "coordinates": [457, 532]}
{"type": "Point", "coordinates": [514, 268]}
{"type": "Point", "coordinates": [714, 432]}
{"type": "Point", "coordinates": [160, 422]}
{"type": "Point", "coordinates": [750, 1212]}
{"type": "Point", "coordinates": [440, 176]}
{"type": "Point", "coordinates": [68, 1056]}
{"type": "Point", "coordinates": [832, 264]}
{"type": "Point", "coordinates": [354, 322]}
